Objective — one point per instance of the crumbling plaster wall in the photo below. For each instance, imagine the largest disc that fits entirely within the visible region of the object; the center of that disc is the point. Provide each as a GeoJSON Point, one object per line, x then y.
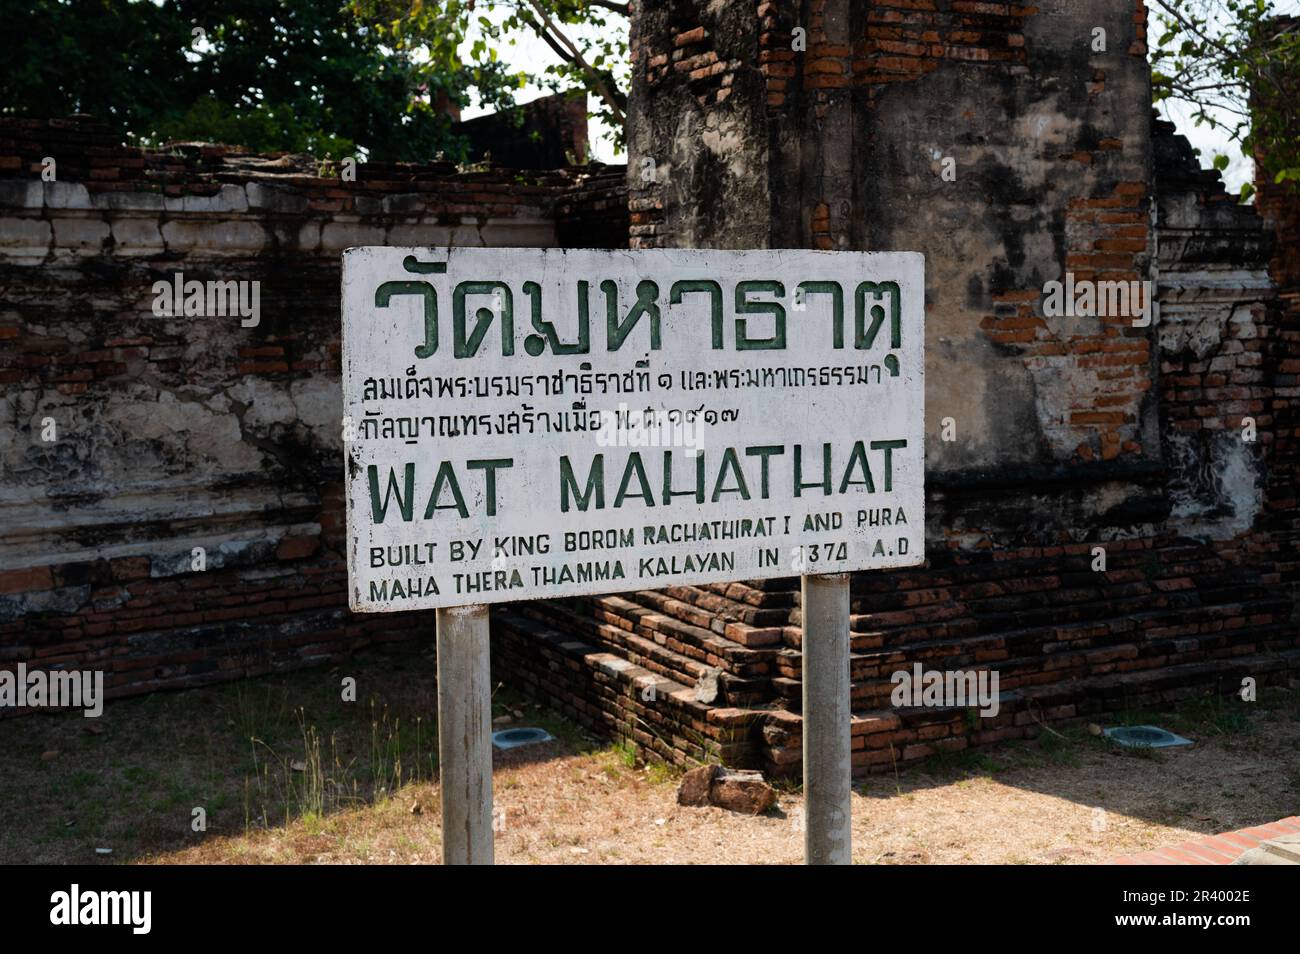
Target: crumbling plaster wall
{"type": "Point", "coordinates": [845, 144]}
{"type": "Point", "coordinates": [192, 419]}
{"type": "Point", "coordinates": [699, 170]}
{"type": "Point", "coordinates": [1218, 315]}
{"type": "Point", "coordinates": [1037, 136]}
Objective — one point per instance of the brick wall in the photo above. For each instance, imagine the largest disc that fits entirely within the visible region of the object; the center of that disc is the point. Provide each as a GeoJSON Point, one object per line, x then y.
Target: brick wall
{"type": "Point", "coordinates": [1071, 434]}
{"type": "Point", "coordinates": [177, 433]}
{"type": "Point", "coordinates": [1216, 335]}
{"type": "Point", "coordinates": [1280, 207]}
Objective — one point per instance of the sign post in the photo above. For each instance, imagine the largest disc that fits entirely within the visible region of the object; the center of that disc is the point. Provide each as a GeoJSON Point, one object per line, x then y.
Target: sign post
{"type": "Point", "coordinates": [537, 423]}
{"type": "Point", "coordinates": [465, 735]}
{"type": "Point", "coordinates": [827, 740]}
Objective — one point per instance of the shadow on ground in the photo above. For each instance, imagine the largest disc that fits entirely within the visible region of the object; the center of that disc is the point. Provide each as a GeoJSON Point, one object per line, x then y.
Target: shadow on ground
{"type": "Point", "coordinates": [284, 769]}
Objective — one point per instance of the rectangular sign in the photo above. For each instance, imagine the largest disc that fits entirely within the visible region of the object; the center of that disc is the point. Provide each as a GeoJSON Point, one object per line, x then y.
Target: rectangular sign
{"type": "Point", "coordinates": [532, 423]}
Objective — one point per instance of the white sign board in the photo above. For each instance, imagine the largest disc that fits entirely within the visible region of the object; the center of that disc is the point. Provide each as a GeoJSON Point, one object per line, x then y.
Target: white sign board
{"type": "Point", "coordinates": [532, 423]}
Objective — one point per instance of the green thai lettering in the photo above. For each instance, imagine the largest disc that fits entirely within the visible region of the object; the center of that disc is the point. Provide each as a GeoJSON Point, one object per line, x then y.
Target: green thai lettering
{"type": "Point", "coordinates": [874, 304]}
{"type": "Point", "coordinates": [384, 294]}
{"type": "Point", "coordinates": [647, 303]}
{"type": "Point", "coordinates": [466, 343]}
{"type": "Point", "coordinates": [744, 342]}
{"type": "Point", "coordinates": [714, 291]}
{"type": "Point", "coordinates": [549, 337]}
{"type": "Point", "coordinates": [808, 289]}
{"type": "Point", "coordinates": [866, 337]}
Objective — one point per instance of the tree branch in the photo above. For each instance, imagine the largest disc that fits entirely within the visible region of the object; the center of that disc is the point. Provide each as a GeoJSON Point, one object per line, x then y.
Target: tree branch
{"type": "Point", "coordinates": [567, 50]}
{"type": "Point", "coordinates": [1229, 55]}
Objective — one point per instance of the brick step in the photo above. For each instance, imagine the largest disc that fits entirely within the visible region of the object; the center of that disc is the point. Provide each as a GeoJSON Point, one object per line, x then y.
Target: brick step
{"type": "Point", "coordinates": [1064, 614]}
{"type": "Point", "coordinates": [871, 684]}
{"type": "Point", "coordinates": [617, 639]}
{"type": "Point", "coordinates": [738, 622]}
{"type": "Point", "coordinates": [792, 638]}
{"type": "Point", "coordinates": [862, 695]}
{"type": "Point", "coordinates": [759, 594]}
{"type": "Point", "coordinates": [617, 699]}
{"type": "Point", "coordinates": [720, 650]}
{"type": "Point", "coordinates": [1034, 671]}
{"type": "Point", "coordinates": [1035, 642]}
{"type": "Point", "coordinates": [673, 649]}
{"type": "Point", "coordinates": [885, 736]}
{"type": "Point", "coordinates": [636, 604]}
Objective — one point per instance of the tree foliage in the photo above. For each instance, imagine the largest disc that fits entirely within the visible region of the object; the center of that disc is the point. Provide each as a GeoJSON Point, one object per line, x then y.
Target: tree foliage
{"type": "Point", "coordinates": [587, 37]}
{"type": "Point", "coordinates": [1237, 65]}
{"type": "Point", "coordinates": [295, 75]}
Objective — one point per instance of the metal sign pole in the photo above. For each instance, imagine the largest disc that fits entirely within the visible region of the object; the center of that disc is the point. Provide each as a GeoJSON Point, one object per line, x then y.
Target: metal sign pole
{"type": "Point", "coordinates": [827, 743]}
{"type": "Point", "coordinates": [465, 735]}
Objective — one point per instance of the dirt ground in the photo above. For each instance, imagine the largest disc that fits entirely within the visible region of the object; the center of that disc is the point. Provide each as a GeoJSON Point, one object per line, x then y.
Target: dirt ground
{"type": "Point", "coordinates": [285, 771]}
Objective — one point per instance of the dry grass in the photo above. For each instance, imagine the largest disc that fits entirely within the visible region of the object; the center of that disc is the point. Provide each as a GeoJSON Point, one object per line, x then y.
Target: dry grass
{"type": "Point", "coordinates": [133, 786]}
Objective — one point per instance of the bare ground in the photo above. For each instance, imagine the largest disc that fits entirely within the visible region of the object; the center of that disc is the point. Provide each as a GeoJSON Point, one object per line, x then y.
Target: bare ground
{"type": "Point", "coordinates": [329, 781]}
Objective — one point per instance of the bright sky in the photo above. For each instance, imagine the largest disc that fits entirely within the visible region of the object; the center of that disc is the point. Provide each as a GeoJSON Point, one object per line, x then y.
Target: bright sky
{"type": "Point", "coordinates": [1213, 141]}
{"type": "Point", "coordinates": [531, 54]}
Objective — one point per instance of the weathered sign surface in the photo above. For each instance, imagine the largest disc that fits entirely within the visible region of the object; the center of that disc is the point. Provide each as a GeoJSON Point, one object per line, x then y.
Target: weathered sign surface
{"type": "Point", "coordinates": [530, 423]}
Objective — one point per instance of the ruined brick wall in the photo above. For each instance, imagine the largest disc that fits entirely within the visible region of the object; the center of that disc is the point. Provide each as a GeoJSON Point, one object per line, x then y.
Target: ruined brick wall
{"type": "Point", "coordinates": [595, 213]}
{"type": "Point", "coordinates": [844, 144]}
{"type": "Point", "coordinates": [1216, 329]}
{"type": "Point", "coordinates": [1279, 204]}
{"type": "Point", "coordinates": [547, 133]}
{"type": "Point", "coordinates": [1070, 433]}
{"type": "Point", "coordinates": [171, 433]}
{"type": "Point", "coordinates": [1010, 147]}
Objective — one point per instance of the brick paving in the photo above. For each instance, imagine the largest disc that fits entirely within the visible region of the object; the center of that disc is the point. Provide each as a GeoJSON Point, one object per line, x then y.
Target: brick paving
{"type": "Point", "coordinates": [1221, 849]}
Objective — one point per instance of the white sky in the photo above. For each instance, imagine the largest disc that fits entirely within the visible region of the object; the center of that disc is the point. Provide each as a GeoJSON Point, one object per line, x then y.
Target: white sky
{"type": "Point", "coordinates": [533, 55]}
{"type": "Point", "coordinates": [1212, 141]}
